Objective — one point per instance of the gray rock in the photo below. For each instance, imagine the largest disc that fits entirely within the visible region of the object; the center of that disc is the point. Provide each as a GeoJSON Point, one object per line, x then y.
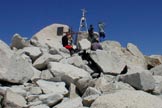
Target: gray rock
{"type": "Point", "coordinates": [84, 44]}
{"type": "Point", "coordinates": [127, 99]}
{"type": "Point", "coordinates": [157, 79]}
{"type": "Point", "coordinates": [53, 51]}
{"type": "Point", "coordinates": [87, 101]}
{"type": "Point", "coordinates": [35, 103]}
{"type": "Point", "coordinates": [135, 51]}
{"type": "Point", "coordinates": [159, 57]}
{"type": "Point", "coordinates": [1, 98]}
{"type": "Point", "coordinates": [134, 58]}
{"type": "Point", "coordinates": [52, 87]}
{"type": "Point", "coordinates": [46, 75]}
{"type": "Point", "coordinates": [51, 99]}
{"type": "Point", "coordinates": [3, 90]}
{"type": "Point", "coordinates": [108, 62]}
{"type": "Point", "coordinates": [158, 85]}
{"type": "Point", "coordinates": [142, 81]}
{"type": "Point", "coordinates": [18, 89]}
{"type": "Point", "coordinates": [40, 106]}
{"type": "Point", "coordinates": [42, 61]}
{"type": "Point", "coordinates": [36, 74]}
{"type": "Point", "coordinates": [71, 103]}
{"type": "Point", "coordinates": [35, 91]}
{"type": "Point", "coordinates": [32, 52]}
{"type": "Point", "coordinates": [67, 72]}
{"type": "Point", "coordinates": [72, 91]}
{"type": "Point", "coordinates": [14, 100]}
{"type": "Point", "coordinates": [83, 83]}
{"type": "Point", "coordinates": [152, 62]}
{"type": "Point", "coordinates": [76, 61]}
{"type": "Point", "coordinates": [25, 57]}
{"type": "Point", "coordinates": [14, 68]}
{"type": "Point", "coordinates": [132, 68]}
{"type": "Point", "coordinates": [19, 42]}
{"type": "Point", "coordinates": [157, 70]}
{"type": "Point", "coordinates": [100, 83]}
{"type": "Point", "coordinates": [105, 86]}
{"type": "Point", "coordinates": [32, 98]}
{"type": "Point", "coordinates": [91, 91]}
{"type": "Point", "coordinates": [158, 89]}
{"type": "Point", "coordinates": [113, 47]}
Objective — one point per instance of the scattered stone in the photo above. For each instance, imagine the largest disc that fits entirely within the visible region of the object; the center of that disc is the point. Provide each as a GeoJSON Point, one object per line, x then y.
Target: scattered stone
{"type": "Point", "coordinates": [51, 99]}
{"type": "Point", "coordinates": [46, 75]}
{"type": "Point", "coordinates": [32, 52]}
{"type": "Point", "coordinates": [83, 83]}
{"type": "Point", "coordinates": [127, 99]}
{"type": "Point", "coordinates": [13, 100]}
{"type": "Point", "coordinates": [52, 87]}
{"type": "Point", "coordinates": [73, 91]}
{"type": "Point", "coordinates": [142, 81]}
{"type": "Point", "coordinates": [71, 103]}
{"type": "Point", "coordinates": [87, 101]}
{"type": "Point", "coordinates": [157, 70]}
{"type": "Point", "coordinates": [91, 91]}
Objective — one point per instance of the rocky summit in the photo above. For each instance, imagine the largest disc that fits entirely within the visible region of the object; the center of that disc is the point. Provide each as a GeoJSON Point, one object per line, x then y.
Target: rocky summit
{"type": "Point", "coordinates": [40, 73]}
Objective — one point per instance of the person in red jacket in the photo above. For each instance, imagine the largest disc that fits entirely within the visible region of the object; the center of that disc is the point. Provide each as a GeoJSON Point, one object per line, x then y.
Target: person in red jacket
{"type": "Point", "coordinates": [67, 42]}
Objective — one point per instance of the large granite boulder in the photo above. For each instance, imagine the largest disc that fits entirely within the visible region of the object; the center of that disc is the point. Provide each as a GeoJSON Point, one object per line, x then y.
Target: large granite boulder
{"type": "Point", "coordinates": [108, 62]}
{"type": "Point", "coordinates": [142, 81]}
{"type": "Point", "coordinates": [67, 72]}
{"type": "Point", "coordinates": [136, 56]}
{"type": "Point", "coordinates": [14, 68]}
{"type": "Point", "coordinates": [50, 35]}
{"type": "Point", "coordinates": [19, 42]}
{"type": "Point", "coordinates": [127, 99]}
{"type": "Point", "coordinates": [112, 46]}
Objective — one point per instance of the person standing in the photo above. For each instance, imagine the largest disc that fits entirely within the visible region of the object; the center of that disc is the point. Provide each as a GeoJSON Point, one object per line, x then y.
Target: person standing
{"type": "Point", "coordinates": [101, 27]}
{"type": "Point", "coordinates": [91, 33]}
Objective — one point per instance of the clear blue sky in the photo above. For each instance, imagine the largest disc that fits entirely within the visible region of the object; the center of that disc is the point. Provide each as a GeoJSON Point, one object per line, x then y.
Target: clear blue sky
{"type": "Point", "coordinates": [135, 21]}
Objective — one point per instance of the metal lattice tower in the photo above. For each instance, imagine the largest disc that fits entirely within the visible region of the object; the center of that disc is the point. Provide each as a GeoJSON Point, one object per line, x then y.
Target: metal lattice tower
{"type": "Point", "coordinates": [83, 22]}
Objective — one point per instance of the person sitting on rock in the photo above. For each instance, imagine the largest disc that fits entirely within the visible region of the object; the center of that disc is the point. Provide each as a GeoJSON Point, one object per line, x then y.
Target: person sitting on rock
{"type": "Point", "coordinates": [67, 42]}
{"type": "Point", "coordinates": [96, 45]}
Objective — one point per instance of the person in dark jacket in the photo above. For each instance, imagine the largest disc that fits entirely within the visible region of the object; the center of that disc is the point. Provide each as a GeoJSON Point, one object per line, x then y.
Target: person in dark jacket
{"type": "Point", "coordinates": [67, 43]}
{"type": "Point", "coordinates": [91, 33]}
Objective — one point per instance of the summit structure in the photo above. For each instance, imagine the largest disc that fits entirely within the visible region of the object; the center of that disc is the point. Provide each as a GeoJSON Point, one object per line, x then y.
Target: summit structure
{"type": "Point", "coordinates": [83, 22]}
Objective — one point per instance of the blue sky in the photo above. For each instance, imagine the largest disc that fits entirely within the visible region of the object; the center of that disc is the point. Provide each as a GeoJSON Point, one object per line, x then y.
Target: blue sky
{"type": "Point", "coordinates": [135, 21]}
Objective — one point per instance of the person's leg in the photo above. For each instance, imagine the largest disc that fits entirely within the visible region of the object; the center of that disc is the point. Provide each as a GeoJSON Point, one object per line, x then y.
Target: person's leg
{"type": "Point", "coordinates": [71, 51]}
